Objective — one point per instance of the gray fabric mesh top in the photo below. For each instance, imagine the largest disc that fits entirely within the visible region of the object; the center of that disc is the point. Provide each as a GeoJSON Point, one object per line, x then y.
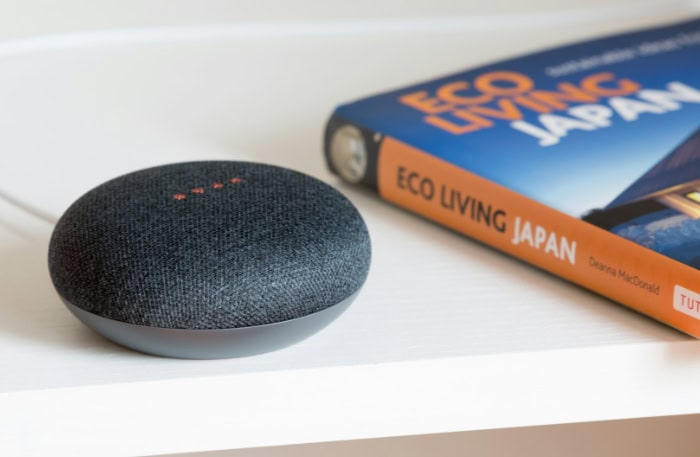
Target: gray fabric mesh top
{"type": "Point", "coordinates": [209, 245]}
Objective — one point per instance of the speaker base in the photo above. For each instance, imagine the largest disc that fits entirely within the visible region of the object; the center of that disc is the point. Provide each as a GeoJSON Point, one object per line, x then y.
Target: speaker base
{"type": "Point", "coordinates": [210, 344]}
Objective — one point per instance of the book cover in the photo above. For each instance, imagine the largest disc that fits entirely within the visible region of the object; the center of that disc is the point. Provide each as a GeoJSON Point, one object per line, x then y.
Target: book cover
{"type": "Point", "coordinates": [583, 160]}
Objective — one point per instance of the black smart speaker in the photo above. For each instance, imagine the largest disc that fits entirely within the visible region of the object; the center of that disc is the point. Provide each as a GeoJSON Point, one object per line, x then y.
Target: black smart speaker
{"type": "Point", "coordinates": [209, 259]}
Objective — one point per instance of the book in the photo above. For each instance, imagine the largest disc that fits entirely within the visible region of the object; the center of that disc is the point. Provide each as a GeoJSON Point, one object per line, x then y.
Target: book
{"type": "Point", "coordinates": [583, 160]}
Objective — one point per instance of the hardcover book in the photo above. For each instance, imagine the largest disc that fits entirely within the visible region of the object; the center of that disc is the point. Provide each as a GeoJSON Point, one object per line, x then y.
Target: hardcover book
{"type": "Point", "coordinates": [583, 160]}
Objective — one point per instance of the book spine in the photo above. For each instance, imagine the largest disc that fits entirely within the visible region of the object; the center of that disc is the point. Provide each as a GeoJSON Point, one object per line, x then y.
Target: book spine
{"type": "Point", "coordinates": [571, 248]}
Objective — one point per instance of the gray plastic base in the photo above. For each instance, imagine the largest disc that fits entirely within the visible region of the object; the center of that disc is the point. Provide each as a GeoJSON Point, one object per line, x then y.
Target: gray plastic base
{"type": "Point", "coordinates": [210, 344]}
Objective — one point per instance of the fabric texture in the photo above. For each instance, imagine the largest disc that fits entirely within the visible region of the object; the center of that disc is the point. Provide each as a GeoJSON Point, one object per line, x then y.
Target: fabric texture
{"type": "Point", "coordinates": [209, 245]}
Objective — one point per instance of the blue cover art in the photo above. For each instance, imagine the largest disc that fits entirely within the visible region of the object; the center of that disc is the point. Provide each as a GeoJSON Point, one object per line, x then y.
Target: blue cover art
{"type": "Point", "coordinates": [606, 130]}
{"type": "Point", "coordinates": [594, 157]}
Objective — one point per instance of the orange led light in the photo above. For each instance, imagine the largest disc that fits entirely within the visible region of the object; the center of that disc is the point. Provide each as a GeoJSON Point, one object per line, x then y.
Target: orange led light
{"type": "Point", "coordinates": [201, 190]}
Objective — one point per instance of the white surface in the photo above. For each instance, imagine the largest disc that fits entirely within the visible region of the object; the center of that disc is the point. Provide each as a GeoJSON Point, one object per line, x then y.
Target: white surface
{"type": "Point", "coordinates": [267, 408]}
{"type": "Point", "coordinates": [447, 335]}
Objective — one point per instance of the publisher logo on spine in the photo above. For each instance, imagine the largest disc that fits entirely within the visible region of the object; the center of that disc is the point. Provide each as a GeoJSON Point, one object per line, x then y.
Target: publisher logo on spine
{"type": "Point", "coordinates": [686, 301]}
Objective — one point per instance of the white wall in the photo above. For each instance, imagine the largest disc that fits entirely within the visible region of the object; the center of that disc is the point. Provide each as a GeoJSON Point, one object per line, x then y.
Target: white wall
{"type": "Point", "coordinates": [32, 17]}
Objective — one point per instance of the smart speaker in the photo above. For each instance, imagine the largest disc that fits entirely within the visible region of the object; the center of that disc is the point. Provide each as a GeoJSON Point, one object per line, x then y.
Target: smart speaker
{"type": "Point", "coordinates": [209, 259]}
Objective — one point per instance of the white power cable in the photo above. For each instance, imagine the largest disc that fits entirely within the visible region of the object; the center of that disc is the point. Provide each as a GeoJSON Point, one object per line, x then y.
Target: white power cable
{"type": "Point", "coordinates": [27, 208]}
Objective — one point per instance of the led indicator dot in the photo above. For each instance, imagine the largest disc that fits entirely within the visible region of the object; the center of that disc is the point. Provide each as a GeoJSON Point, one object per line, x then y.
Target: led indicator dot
{"type": "Point", "coordinates": [198, 190]}
{"type": "Point", "coordinates": [217, 185]}
{"type": "Point", "coordinates": [179, 196]}
{"type": "Point", "coordinates": [235, 180]}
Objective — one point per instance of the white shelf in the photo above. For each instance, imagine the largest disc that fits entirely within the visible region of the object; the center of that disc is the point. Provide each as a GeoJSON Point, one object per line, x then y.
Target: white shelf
{"type": "Point", "coordinates": [447, 335]}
